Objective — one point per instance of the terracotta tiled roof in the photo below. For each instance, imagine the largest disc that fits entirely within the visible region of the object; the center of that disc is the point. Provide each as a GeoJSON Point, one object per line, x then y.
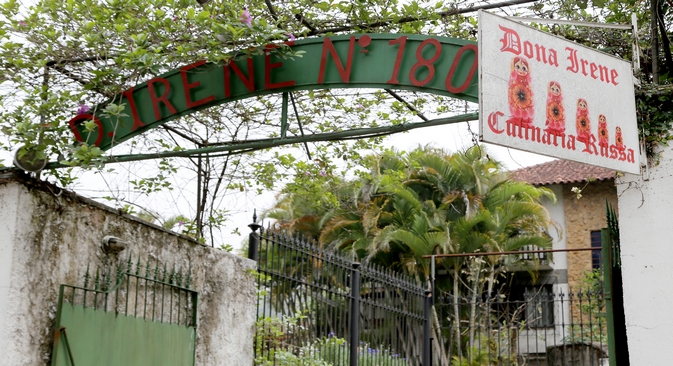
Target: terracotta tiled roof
{"type": "Point", "coordinates": [560, 172]}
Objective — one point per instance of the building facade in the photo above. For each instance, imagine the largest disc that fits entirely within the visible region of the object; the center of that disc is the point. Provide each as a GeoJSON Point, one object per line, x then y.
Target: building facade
{"type": "Point", "coordinates": [582, 192]}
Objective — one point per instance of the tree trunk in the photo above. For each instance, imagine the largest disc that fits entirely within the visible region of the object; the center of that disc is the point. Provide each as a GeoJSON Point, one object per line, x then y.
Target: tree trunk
{"type": "Point", "coordinates": [665, 42]}
{"type": "Point", "coordinates": [456, 313]}
{"type": "Point", "coordinates": [436, 342]}
{"type": "Point", "coordinates": [473, 311]}
{"type": "Point", "coordinates": [491, 279]}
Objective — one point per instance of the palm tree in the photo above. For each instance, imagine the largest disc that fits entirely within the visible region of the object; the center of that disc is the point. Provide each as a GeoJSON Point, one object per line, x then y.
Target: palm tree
{"type": "Point", "coordinates": [429, 202]}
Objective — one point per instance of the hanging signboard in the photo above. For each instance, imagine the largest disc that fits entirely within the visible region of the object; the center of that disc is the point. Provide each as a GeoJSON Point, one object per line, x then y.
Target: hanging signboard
{"type": "Point", "coordinates": [550, 96]}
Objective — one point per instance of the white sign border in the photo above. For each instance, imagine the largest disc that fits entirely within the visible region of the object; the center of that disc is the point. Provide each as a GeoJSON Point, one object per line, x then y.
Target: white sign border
{"type": "Point", "coordinates": [634, 144]}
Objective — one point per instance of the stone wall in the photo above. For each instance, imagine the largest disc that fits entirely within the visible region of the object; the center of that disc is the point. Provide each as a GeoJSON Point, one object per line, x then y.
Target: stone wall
{"type": "Point", "coordinates": [48, 237]}
{"type": "Point", "coordinates": [582, 216]}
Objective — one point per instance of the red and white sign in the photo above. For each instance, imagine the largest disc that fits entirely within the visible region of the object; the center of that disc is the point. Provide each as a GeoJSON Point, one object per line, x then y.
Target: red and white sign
{"type": "Point", "coordinates": [547, 95]}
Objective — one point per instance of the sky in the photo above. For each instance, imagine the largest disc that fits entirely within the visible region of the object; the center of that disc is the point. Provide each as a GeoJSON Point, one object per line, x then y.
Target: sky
{"type": "Point", "coordinates": [453, 137]}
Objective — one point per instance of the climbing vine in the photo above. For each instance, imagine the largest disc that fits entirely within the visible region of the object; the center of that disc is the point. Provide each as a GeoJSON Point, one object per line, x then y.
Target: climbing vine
{"type": "Point", "coordinates": [654, 108]}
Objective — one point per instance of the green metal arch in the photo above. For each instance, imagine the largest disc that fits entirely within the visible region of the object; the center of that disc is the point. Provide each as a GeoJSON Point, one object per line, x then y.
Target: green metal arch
{"type": "Point", "coordinates": [430, 64]}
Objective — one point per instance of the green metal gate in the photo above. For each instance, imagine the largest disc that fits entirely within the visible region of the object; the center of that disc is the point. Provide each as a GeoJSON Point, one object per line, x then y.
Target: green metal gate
{"type": "Point", "coordinates": [614, 294]}
{"type": "Point", "coordinates": [139, 315]}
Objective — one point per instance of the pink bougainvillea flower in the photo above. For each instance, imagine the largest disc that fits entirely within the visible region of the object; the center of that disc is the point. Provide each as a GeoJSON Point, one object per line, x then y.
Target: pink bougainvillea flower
{"type": "Point", "coordinates": [291, 37]}
{"type": "Point", "coordinates": [22, 23]}
{"type": "Point", "coordinates": [83, 109]}
{"type": "Point", "coordinates": [246, 18]}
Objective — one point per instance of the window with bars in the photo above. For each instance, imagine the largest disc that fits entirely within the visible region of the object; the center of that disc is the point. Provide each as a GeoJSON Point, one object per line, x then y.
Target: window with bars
{"type": "Point", "coordinates": [539, 306]}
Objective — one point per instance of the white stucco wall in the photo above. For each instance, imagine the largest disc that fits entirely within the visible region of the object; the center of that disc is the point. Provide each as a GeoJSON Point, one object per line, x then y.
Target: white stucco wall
{"type": "Point", "coordinates": [646, 231]}
{"type": "Point", "coordinates": [48, 237]}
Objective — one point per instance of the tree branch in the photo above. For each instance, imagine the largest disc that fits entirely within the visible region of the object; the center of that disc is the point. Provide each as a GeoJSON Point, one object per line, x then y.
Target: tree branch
{"type": "Point", "coordinates": [665, 41]}
{"type": "Point", "coordinates": [409, 19]}
{"type": "Point", "coordinates": [272, 11]}
{"type": "Point", "coordinates": [407, 104]}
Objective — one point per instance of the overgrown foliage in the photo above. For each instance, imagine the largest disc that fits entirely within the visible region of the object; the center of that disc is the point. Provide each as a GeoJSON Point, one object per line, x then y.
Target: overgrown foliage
{"type": "Point", "coordinates": [410, 205]}
{"type": "Point", "coordinates": [59, 58]}
{"type": "Point", "coordinates": [427, 201]}
{"type": "Point", "coordinates": [654, 100]}
{"type": "Point", "coordinates": [273, 349]}
{"type": "Point", "coordinates": [655, 114]}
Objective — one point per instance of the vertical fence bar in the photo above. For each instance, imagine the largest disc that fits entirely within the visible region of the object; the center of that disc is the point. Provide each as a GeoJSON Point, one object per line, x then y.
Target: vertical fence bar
{"type": "Point", "coordinates": [382, 326]}
{"type": "Point", "coordinates": [253, 243]}
{"type": "Point", "coordinates": [607, 280]}
{"type": "Point", "coordinates": [427, 302]}
{"type": "Point", "coordinates": [355, 314]}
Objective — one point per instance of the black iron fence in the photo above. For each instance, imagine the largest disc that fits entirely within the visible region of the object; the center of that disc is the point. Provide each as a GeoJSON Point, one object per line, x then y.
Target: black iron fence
{"type": "Point", "coordinates": [319, 307]}
{"type": "Point", "coordinates": [540, 326]}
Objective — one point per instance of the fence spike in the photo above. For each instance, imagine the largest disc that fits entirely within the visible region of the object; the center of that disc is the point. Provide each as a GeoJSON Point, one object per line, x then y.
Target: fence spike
{"type": "Point", "coordinates": [129, 263]}
{"type": "Point", "coordinates": [156, 271]}
{"type": "Point", "coordinates": [171, 278]}
{"type": "Point", "coordinates": [148, 267]}
{"type": "Point", "coordinates": [302, 239]}
{"type": "Point", "coordinates": [178, 278]}
{"type": "Point", "coordinates": [188, 280]}
{"type": "Point", "coordinates": [96, 279]}
{"type": "Point", "coordinates": [138, 265]}
{"type": "Point", "coordinates": [163, 277]}
{"type": "Point", "coordinates": [108, 280]}
{"type": "Point", "coordinates": [120, 268]}
{"type": "Point", "coordinates": [86, 277]}
{"type": "Point", "coordinates": [120, 274]}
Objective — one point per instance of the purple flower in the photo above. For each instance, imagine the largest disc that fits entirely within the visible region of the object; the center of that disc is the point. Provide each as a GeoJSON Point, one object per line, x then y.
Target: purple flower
{"type": "Point", "coordinates": [322, 173]}
{"type": "Point", "coordinates": [175, 18]}
{"type": "Point", "coordinates": [181, 223]}
{"type": "Point", "coordinates": [22, 23]}
{"type": "Point", "coordinates": [83, 109]}
{"type": "Point", "coordinates": [246, 18]}
{"type": "Point", "coordinates": [291, 37]}
{"type": "Point", "coordinates": [307, 174]}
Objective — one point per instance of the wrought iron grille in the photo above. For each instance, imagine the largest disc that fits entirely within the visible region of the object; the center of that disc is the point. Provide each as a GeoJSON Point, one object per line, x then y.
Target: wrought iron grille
{"type": "Point", "coordinates": [317, 305]}
{"type": "Point", "coordinates": [151, 292]}
{"type": "Point", "coordinates": [132, 314]}
{"type": "Point", "coordinates": [543, 327]}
